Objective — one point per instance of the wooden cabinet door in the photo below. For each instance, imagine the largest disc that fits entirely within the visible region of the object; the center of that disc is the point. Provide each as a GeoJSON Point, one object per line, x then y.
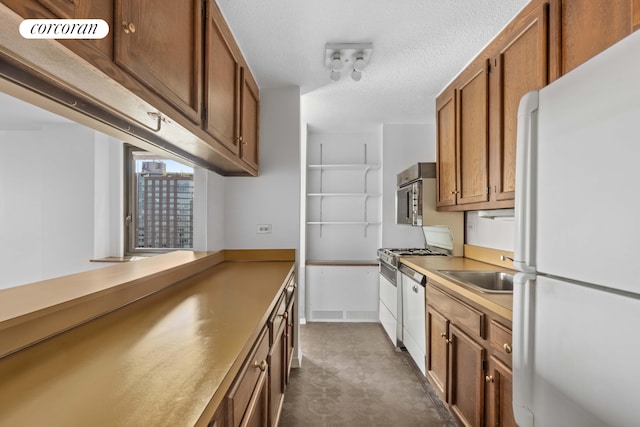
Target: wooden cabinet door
{"type": "Point", "coordinates": [289, 337]}
{"type": "Point", "coordinates": [519, 67]}
{"type": "Point", "coordinates": [257, 414]}
{"type": "Point", "coordinates": [247, 401]}
{"type": "Point", "coordinates": [446, 148]}
{"type": "Point", "coordinates": [437, 357]}
{"type": "Point", "coordinates": [159, 42]}
{"type": "Point", "coordinates": [249, 120]}
{"type": "Point", "coordinates": [277, 359]}
{"type": "Point", "coordinates": [500, 389]}
{"type": "Point", "coordinates": [466, 373]}
{"type": "Point", "coordinates": [473, 139]}
{"type": "Point", "coordinates": [222, 82]}
{"type": "Point", "coordinates": [580, 29]}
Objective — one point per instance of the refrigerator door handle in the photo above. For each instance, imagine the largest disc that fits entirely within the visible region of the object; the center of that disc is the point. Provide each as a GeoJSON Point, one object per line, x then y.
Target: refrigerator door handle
{"type": "Point", "coordinates": [523, 347]}
{"type": "Point", "coordinates": [525, 189]}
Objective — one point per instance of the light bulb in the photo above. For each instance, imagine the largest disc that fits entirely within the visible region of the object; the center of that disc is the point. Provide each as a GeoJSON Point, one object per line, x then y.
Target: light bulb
{"type": "Point", "coordinates": [334, 75]}
{"type": "Point", "coordinates": [356, 75]}
{"type": "Point", "coordinates": [359, 63]}
{"type": "Point", "coordinates": [336, 62]}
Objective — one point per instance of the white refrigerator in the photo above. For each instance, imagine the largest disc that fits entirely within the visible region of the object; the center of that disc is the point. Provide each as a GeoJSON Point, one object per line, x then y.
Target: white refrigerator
{"type": "Point", "coordinates": [576, 325]}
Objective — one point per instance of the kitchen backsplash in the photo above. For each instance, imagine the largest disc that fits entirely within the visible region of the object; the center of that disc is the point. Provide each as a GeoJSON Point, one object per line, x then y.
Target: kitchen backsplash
{"type": "Point", "coordinates": [496, 233]}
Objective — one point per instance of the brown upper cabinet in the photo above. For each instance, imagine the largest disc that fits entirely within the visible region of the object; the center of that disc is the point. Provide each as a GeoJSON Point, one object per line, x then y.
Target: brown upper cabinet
{"type": "Point", "coordinates": [160, 44]}
{"type": "Point", "coordinates": [222, 93]}
{"type": "Point", "coordinates": [519, 65]}
{"type": "Point", "coordinates": [249, 120]}
{"type": "Point", "coordinates": [580, 29]}
{"type": "Point", "coordinates": [169, 73]}
{"type": "Point", "coordinates": [488, 92]}
{"type": "Point", "coordinates": [232, 95]}
{"type": "Point", "coordinates": [547, 39]}
{"type": "Point", "coordinates": [446, 153]}
{"type": "Point", "coordinates": [472, 144]}
{"type": "Point", "coordinates": [462, 139]}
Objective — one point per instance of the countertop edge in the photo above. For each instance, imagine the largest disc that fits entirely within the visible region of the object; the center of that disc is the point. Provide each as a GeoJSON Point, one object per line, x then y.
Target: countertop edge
{"type": "Point", "coordinates": [33, 312]}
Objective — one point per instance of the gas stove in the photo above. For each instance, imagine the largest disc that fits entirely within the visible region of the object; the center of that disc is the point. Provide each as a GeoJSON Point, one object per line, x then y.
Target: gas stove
{"type": "Point", "coordinates": [391, 256]}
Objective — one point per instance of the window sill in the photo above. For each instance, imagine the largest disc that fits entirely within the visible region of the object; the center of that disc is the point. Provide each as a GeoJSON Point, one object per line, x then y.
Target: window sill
{"type": "Point", "coordinates": [121, 258]}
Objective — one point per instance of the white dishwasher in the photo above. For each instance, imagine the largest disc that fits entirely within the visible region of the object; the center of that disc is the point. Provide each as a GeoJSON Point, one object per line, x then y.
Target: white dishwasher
{"type": "Point", "coordinates": [413, 314]}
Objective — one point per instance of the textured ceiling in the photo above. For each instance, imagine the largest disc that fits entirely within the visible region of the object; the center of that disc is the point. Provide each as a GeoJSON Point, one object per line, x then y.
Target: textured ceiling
{"type": "Point", "coordinates": [418, 47]}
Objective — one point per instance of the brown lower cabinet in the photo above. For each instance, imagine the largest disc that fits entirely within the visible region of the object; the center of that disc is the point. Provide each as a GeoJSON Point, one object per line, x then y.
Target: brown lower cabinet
{"type": "Point", "coordinates": [500, 394]}
{"type": "Point", "coordinates": [256, 396]}
{"type": "Point", "coordinates": [247, 402]}
{"type": "Point", "coordinates": [469, 359]}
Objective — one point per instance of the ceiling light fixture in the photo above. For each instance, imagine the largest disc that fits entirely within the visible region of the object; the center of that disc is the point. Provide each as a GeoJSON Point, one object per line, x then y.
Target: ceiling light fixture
{"type": "Point", "coordinates": [355, 55]}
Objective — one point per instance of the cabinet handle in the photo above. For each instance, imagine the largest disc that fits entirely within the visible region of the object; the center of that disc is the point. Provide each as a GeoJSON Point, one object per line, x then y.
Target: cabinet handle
{"type": "Point", "coordinates": [443, 335]}
{"type": "Point", "coordinates": [448, 341]}
{"type": "Point", "coordinates": [488, 379]}
{"type": "Point", "coordinates": [284, 315]}
{"type": "Point", "coordinates": [128, 27]}
{"type": "Point", "coordinates": [507, 348]}
{"type": "Point", "coordinates": [262, 365]}
{"type": "Point", "coordinates": [455, 192]}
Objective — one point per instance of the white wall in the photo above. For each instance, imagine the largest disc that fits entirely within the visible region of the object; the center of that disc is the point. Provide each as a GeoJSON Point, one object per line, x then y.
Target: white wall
{"type": "Point", "coordinates": [343, 242]}
{"type": "Point", "coordinates": [402, 146]}
{"type": "Point", "coordinates": [54, 207]}
{"type": "Point", "coordinates": [274, 196]}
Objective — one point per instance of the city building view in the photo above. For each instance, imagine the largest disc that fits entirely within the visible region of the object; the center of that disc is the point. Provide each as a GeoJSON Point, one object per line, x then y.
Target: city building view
{"type": "Point", "coordinates": [164, 207]}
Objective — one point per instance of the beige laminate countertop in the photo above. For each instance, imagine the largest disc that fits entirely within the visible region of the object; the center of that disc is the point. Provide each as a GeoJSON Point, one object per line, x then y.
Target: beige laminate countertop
{"type": "Point", "coordinates": [155, 362]}
{"type": "Point", "coordinates": [502, 304]}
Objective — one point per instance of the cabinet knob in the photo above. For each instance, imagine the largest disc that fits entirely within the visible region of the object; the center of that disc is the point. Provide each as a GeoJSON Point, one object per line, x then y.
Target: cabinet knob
{"type": "Point", "coordinates": [262, 365]}
{"type": "Point", "coordinates": [507, 348]}
{"type": "Point", "coordinates": [128, 27]}
{"type": "Point", "coordinates": [448, 341]}
{"type": "Point", "coordinates": [443, 335]}
{"type": "Point", "coordinates": [455, 192]}
{"type": "Point", "coordinates": [488, 379]}
{"type": "Point", "coordinates": [284, 315]}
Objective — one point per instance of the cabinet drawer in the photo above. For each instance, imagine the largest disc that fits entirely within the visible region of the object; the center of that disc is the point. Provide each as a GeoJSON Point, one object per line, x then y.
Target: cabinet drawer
{"type": "Point", "coordinates": [247, 380]}
{"type": "Point", "coordinates": [457, 311]}
{"type": "Point", "coordinates": [500, 339]}
{"type": "Point", "coordinates": [278, 318]}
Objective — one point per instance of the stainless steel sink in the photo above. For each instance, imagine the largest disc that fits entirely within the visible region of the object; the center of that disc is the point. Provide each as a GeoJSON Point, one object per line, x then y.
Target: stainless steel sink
{"type": "Point", "coordinates": [483, 280]}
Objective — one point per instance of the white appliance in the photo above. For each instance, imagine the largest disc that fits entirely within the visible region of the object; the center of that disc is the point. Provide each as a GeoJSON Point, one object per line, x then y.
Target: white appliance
{"type": "Point", "coordinates": [390, 280]}
{"type": "Point", "coordinates": [413, 315]}
{"type": "Point", "coordinates": [576, 356]}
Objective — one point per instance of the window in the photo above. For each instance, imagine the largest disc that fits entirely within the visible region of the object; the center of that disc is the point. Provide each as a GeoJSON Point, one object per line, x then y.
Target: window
{"type": "Point", "coordinates": [159, 203]}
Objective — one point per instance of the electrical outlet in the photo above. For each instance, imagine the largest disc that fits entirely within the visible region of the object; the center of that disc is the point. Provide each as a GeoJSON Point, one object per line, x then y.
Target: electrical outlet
{"type": "Point", "coordinates": [263, 229]}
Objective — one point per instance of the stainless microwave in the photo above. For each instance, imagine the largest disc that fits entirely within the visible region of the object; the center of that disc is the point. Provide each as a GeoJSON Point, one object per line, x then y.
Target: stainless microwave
{"type": "Point", "coordinates": [409, 204]}
{"type": "Point", "coordinates": [410, 192]}
{"type": "Point", "coordinates": [416, 205]}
